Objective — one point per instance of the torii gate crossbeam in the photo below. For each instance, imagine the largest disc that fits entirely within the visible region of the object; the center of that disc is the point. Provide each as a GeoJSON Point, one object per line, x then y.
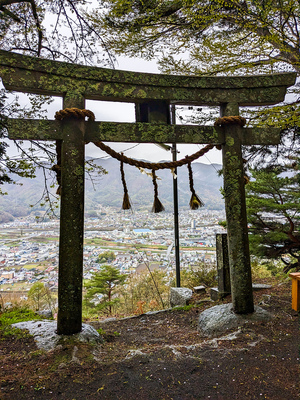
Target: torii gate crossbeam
{"type": "Point", "coordinates": [77, 83]}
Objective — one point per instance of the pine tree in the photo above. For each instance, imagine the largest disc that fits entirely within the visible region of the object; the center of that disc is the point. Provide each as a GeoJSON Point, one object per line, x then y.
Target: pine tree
{"type": "Point", "coordinates": [104, 283]}
{"type": "Point", "coordinates": [273, 200]}
{"type": "Point", "coordinates": [200, 38]}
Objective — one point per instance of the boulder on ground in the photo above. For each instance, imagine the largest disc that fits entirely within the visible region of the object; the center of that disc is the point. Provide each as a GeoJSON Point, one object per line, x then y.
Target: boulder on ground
{"type": "Point", "coordinates": [180, 296]}
{"type": "Point", "coordinates": [219, 319]}
{"type": "Point", "coordinates": [45, 336]}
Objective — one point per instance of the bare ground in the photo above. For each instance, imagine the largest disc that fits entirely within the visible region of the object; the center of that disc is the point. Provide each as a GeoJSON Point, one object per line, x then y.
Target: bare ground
{"type": "Point", "coordinates": [162, 356]}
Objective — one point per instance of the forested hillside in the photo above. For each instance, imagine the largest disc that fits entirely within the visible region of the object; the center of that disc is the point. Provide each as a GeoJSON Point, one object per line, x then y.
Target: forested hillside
{"type": "Point", "coordinates": [107, 190]}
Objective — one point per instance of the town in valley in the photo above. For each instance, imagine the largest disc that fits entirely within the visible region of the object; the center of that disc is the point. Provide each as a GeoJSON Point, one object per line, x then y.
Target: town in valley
{"type": "Point", "coordinates": [29, 246]}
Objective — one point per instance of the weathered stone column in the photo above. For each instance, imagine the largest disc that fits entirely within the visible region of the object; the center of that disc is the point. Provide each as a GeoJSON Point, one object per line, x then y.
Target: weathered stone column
{"type": "Point", "coordinates": [235, 205]}
{"type": "Point", "coordinates": [69, 318]}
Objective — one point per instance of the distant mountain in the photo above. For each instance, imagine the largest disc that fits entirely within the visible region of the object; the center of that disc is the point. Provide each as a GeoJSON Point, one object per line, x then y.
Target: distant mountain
{"type": "Point", "coordinates": [107, 190]}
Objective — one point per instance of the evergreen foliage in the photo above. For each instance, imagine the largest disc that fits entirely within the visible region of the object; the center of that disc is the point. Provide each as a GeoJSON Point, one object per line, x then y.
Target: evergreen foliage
{"type": "Point", "coordinates": [102, 289]}
{"type": "Point", "coordinates": [273, 199]}
{"type": "Point", "coordinates": [220, 36]}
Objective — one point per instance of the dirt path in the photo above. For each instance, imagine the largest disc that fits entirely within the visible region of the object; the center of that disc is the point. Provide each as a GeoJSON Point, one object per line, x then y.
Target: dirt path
{"type": "Point", "coordinates": [162, 356]}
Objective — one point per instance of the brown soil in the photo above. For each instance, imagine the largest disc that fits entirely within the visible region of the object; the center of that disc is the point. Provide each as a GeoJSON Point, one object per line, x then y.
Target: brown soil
{"type": "Point", "coordinates": [163, 356]}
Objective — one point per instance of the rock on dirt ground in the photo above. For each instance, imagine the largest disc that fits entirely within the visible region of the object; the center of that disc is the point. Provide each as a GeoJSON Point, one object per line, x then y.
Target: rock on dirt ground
{"type": "Point", "coordinates": [163, 356]}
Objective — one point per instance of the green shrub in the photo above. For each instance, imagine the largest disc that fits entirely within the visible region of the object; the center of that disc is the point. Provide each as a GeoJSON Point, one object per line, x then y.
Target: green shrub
{"type": "Point", "coordinates": [201, 274]}
{"type": "Point", "coordinates": [17, 314]}
{"type": "Point", "coordinates": [101, 331]}
{"type": "Point", "coordinates": [259, 271]}
{"type": "Point", "coordinates": [13, 316]}
{"type": "Point", "coordinates": [265, 269]}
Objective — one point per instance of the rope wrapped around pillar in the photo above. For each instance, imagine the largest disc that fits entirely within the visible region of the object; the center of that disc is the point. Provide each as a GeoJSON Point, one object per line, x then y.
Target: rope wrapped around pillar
{"type": "Point", "coordinates": [60, 115]}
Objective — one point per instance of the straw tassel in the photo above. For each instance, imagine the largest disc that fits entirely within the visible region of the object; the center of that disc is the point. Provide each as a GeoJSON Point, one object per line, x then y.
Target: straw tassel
{"type": "Point", "coordinates": [126, 201]}
{"type": "Point", "coordinates": [157, 206]}
{"type": "Point", "coordinates": [195, 201]}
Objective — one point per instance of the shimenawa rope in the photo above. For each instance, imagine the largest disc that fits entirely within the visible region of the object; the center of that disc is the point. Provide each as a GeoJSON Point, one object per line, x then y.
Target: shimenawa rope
{"type": "Point", "coordinates": [195, 201]}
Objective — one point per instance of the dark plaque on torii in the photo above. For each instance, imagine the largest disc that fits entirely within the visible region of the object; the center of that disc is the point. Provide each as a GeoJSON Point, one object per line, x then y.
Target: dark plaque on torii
{"type": "Point", "coordinates": [152, 94]}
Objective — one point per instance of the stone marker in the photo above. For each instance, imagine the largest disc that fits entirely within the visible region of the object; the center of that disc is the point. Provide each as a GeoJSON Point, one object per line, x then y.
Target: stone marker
{"type": "Point", "coordinates": [199, 289]}
{"type": "Point", "coordinates": [260, 286]}
{"type": "Point", "coordinates": [223, 268]}
{"type": "Point", "coordinates": [214, 294]}
{"type": "Point", "coordinates": [180, 296]}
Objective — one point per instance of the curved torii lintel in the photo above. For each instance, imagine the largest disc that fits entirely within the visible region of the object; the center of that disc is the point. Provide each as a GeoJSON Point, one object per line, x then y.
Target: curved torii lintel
{"type": "Point", "coordinates": [40, 76]}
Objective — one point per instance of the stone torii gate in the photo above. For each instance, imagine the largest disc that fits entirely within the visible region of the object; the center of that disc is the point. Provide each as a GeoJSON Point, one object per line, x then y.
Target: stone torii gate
{"type": "Point", "coordinates": [153, 94]}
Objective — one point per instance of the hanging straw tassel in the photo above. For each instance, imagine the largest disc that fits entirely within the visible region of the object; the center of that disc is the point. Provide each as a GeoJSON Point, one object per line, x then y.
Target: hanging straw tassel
{"type": "Point", "coordinates": [157, 206]}
{"type": "Point", "coordinates": [126, 202]}
{"type": "Point", "coordinates": [195, 201]}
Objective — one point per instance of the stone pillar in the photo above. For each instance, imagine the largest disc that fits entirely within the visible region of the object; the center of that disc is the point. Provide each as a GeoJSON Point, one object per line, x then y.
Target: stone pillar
{"type": "Point", "coordinates": [235, 206]}
{"type": "Point", "coordinates": [224, 287]}
{"type": "Point", "coordinates": [69, 320]}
